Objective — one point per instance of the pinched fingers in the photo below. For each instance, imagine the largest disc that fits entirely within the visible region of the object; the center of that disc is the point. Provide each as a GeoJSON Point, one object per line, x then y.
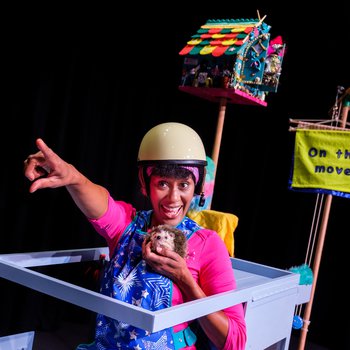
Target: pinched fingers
{"type": "Point", "coordinates": [35, 166]}
{"type": "Point", "coordinates": [41, 163]}
{"type": "Point", "coordinates": [45, 168]}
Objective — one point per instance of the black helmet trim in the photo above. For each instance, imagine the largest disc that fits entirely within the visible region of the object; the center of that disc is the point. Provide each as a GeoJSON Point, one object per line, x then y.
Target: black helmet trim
{"type": "Point", "coordinates": [191, 162]}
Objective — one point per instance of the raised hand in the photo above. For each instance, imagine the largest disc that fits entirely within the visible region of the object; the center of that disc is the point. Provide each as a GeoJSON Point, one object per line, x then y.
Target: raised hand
{"type": "Point", "coordinates": [46, 169]}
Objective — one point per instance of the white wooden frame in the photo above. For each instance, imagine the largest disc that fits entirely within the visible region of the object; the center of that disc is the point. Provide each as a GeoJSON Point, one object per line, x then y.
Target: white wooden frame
{"type": "Point", "coordinates": [258, 287]}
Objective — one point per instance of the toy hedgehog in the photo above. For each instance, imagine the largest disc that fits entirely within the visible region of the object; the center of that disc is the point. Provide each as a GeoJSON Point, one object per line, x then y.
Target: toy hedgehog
{"type": "Point", "coordinates": [169, 237]}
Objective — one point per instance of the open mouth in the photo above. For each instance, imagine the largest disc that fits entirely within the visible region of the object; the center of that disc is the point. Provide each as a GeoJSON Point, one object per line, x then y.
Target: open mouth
{"type": "Point", "coordinates": [171, 212]}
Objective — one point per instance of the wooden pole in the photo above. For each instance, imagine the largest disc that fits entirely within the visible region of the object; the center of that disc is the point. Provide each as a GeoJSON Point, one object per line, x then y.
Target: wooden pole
{"type": "Point", "coordinates": [319, 248]}
{"type": "Point", "coordinates": [218, 135]}
{"type": "Point", "coordinates": [344, 115]}
{"type": "Point", "coordinates": [315, 269]}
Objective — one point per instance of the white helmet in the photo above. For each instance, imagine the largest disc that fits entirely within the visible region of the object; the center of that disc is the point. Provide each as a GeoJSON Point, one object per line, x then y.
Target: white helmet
{"type": "Point", "coordinates": [172, 143]}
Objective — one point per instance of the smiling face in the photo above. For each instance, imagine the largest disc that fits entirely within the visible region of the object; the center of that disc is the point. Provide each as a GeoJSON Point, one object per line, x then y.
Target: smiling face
{"type": "Point", "coordinates": [170, 198]}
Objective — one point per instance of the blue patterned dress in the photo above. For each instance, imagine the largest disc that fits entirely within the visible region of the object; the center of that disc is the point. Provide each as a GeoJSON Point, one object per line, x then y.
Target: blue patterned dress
{"type": "Point", "coordinates": [128, 278]}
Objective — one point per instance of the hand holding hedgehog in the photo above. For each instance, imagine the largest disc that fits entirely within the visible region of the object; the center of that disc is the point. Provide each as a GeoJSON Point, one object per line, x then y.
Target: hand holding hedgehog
{"type": "Point", "coordinates": [166, 236]}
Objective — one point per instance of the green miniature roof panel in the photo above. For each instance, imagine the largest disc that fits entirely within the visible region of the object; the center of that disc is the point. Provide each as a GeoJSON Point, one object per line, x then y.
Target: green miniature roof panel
{"type": "Point", "coordinates": [219, 37]}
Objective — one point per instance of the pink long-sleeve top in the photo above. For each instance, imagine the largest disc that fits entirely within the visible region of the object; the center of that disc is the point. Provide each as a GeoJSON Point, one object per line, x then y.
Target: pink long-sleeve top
{"type": "Point", "coordinates": [208, 260]}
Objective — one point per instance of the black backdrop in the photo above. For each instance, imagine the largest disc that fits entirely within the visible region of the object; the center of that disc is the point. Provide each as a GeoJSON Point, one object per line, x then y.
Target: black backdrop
{"type": "Point", "coordinates": [92, 81]}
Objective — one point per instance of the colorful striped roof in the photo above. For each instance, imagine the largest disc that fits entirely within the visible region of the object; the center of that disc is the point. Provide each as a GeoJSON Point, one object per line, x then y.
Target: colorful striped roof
{"type": "Point", "coordinates": [220, 37]}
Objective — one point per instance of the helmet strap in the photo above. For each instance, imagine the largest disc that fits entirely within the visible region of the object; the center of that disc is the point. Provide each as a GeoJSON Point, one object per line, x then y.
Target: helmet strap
{"type": "Point", "coordinates": [142, 181]}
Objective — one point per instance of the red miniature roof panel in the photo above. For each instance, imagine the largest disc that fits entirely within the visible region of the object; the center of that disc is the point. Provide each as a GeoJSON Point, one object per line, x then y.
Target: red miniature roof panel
{"type": "Point", "coordinates": [219, 37]}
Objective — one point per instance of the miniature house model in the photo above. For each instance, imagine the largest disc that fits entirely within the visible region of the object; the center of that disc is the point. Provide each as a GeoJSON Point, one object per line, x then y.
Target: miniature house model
{"type": "Point", "coordinates": [234, 59]}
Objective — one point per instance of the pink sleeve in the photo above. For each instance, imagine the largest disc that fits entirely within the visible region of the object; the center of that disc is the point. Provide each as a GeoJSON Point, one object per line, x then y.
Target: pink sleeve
{"type": "Point", "coordinates": [114, 221]}
{"type": "Point", "coordinates": [217, 276]}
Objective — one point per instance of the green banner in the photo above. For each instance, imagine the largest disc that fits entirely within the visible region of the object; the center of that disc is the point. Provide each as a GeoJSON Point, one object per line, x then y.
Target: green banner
{"type": "Point", "coordinates": [322, 161]}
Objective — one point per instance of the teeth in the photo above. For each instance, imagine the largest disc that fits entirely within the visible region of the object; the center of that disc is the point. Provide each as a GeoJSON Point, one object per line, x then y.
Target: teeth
{"type": "Point", "coordinates": [172, 210]}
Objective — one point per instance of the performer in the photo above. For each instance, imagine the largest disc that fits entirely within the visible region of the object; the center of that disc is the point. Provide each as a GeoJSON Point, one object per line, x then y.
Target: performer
{"type": "Point", "coordinates": [171, 164]}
